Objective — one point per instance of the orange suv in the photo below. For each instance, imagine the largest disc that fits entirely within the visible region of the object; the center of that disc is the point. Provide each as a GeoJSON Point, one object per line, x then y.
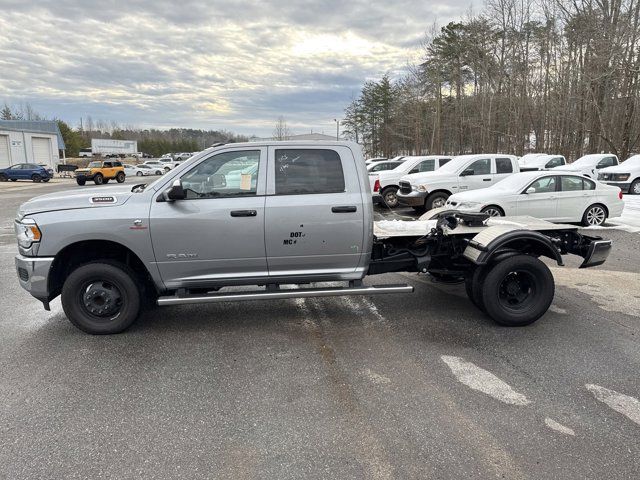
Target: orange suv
{"type": "Point", "coordinates": [100, 172]}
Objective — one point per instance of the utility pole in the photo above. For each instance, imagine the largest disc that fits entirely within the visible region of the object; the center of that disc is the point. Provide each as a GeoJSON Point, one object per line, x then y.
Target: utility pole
{"type": "Point", "coordinates": [337, 128]}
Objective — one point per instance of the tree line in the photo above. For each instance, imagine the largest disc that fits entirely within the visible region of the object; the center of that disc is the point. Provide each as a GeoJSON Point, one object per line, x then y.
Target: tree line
{"type": "Point", "coordinates": [152, 141]}
{"type": "Point", "coordinates": [558, 76]}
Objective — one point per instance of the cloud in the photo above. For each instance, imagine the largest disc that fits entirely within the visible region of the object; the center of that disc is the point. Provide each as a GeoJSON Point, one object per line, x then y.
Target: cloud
{"type": "Point", "coordinates": [214, 64]}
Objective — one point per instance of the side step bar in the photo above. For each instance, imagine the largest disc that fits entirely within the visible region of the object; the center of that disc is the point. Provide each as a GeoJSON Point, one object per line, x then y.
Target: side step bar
{"type": "Point", "coordinates": [280, 294]}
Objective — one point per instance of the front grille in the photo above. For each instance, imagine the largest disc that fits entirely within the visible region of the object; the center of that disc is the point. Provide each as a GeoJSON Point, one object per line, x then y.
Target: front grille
{"type": "Point", "coordinates": [23, 274]}
{"type": "Point", "coordinates": [405, 187]}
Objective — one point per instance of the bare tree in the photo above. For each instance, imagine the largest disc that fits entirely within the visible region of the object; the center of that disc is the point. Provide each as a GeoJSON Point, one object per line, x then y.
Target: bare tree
{"type": "Point", "coordinates": [281, 131]}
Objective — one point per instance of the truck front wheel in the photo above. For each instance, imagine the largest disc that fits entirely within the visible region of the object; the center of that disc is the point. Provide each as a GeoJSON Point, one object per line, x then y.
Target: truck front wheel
{"type": "Point", "coordinates": [517, 291]}
{"type": "Point", "coordinates": [101, 297]}
{"type": "Point", "coordinates": [436, 200]}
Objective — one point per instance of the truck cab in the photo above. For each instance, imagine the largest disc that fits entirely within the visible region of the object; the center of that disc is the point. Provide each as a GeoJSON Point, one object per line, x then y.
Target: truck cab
{"type": "Point", "coordinates": [589, 165]}
{"type": "Point", "coordinates": [426, 191]}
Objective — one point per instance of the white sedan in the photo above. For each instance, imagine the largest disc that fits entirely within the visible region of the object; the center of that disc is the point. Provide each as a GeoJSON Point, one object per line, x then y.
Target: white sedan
{"type": "Point", "coordinates": [552, 196]}
{"type": "Point", "coordinates": [136, 170]}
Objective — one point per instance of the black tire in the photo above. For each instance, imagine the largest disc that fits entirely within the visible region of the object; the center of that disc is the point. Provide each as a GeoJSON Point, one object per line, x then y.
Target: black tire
{"type": "Point", "coordinates": [36, 178]}
{"type": "Point", "coordinates": [436, 200]}
{"type": "Point", "coordinates": [473, 286]}
{"type": "Point", "coordinates": [98, 179]}
{"type": "Point", "coordinates": [493, 211]}
{"type": "Point", "coordinates": [158, 172]}
{"type": "Point", "coordinates": [390, 196]}
{"type": "Point", "coordinates": [81, 181]}
{"type": "Point", "coordinates": [3, 178]}
{"type": "Point", "coordinates": [45, 180]}
{"type": "Point", "coordinates": [634, 189]}
{"type": "Point", "coordinates": [138, 174]}
{"type": "Point", "coordinates": [120, 176]}
{"type": "Point", "coordinates": [166, 169]}
{"type": "Point", "coordinates": [101, 298]}
{"type": "Point", "coordinates": [595, 215]}
{"type": "Point", "coordinates": [14, 179]}
{"type": "Point", "coordinates": [105, 180]}
{"type": "Point", "coordinates": [420, 209]}
{"type": "Point", "coordinates": [517, 291]}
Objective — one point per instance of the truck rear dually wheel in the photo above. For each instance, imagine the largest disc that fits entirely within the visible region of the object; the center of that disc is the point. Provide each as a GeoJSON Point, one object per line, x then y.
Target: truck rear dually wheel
{"type": "Point", "coordinates": [101, 297]}
{"type": "Point", "coordinates": [517, 291]}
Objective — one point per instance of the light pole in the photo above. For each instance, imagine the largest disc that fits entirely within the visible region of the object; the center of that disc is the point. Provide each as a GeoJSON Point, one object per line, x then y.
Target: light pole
{"type": "Point", "coordinates": [337, 128]}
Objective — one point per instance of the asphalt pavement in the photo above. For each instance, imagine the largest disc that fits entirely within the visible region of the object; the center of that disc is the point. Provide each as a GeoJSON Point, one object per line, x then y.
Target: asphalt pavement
{"type": "Point", "coordinates": [415, 385]}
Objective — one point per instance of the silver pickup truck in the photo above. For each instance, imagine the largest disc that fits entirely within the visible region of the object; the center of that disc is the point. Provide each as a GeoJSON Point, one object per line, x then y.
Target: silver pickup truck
{"type": "Point", "coordinates": [271, 215]}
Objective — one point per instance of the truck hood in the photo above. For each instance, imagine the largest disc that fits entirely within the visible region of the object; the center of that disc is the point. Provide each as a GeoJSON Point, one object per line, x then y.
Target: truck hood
{"type": "Point", "coordinates": [72, 199]}
{"type": "Point", "coordinates": [427, 178]}
{"type": "Point", "coordinates": [622, 168]}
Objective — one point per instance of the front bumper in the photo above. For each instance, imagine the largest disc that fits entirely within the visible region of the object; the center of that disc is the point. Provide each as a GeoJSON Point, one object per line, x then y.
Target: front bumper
{"type": "Point", "coordinates": [33, 275]}
{"type": "Point", "coordinates": [413, 199]}
{"type": "Point", "coordinates": [624, 186]}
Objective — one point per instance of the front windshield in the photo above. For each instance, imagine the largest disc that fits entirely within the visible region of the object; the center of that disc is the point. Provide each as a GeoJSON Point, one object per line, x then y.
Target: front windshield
{"type": "Point", "coordinates": [95, 164]}
{"type": "Point", "coordinates": [455, 164]}
{"type": "Point", "coordinates": [632, 161]}
{"type": "Point", "coordinates": [515, 182]}
{"type": "Point", "coordinates": [586, 161]}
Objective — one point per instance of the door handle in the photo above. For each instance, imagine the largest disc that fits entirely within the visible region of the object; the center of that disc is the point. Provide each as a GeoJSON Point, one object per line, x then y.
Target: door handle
{"type": "Point", "coordinates": [486, 179]}
{"type": "Point", "coordinates": [243, 213]}
{"type": "Point", "coordinates": [344, 209]}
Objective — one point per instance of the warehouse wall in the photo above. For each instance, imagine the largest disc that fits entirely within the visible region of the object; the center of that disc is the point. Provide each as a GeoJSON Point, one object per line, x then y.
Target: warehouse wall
{"type": "Point", "coordinates": [20, 148]}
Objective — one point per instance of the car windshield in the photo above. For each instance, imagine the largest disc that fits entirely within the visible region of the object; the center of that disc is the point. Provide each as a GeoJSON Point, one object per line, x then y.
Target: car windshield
{"type": "Point", "coordinates": [632, 161]}
{"type": "Point", "coordinates": [95, 165]}
{"type": "Point", "coordinates": [515, 182]}
{"type": "Point", "coordinates": [456, 163]}
{"type": "Point", "coordinates": [587, 160]}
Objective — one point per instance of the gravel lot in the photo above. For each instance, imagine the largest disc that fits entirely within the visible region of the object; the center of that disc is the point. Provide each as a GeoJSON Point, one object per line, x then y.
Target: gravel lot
{"type": "Point", "coordinates": [405, 386]}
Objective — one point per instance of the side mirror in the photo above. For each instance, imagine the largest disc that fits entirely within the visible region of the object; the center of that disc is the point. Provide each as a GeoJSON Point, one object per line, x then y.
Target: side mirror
{"type": "Point", "coordinates": [530, 190]}
{"type": "Point", "coordinates": [176, 192]}
{"type": "Point", "coordinates": [467, 172]}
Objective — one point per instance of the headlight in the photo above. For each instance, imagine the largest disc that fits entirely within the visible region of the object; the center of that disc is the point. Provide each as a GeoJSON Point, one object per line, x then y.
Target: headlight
{"type": "Point", "coordinates": [419, 188]}
{"type": "Point", "coordinates": [469, 205]}
{"type": "Point", "coordinates": [27, 232]}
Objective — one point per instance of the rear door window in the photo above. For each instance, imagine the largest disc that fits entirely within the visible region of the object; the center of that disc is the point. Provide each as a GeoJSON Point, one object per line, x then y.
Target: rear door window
{"type": "Point", "coordinates": [444, 161]}
{"type": "Point", "coordinates": [504, 165]}
{"type": "Point", "coordinates": [308, 171]}
{"type": "Point", "coordinates": [572, 184]}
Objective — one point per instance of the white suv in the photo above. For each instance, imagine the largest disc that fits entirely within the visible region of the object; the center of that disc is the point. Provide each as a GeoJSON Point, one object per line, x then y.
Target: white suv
{"type": "Point", "coordinates": [465, 172]}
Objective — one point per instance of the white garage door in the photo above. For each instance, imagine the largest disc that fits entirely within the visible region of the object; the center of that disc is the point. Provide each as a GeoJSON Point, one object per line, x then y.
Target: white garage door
{"type": "Point", "coordinates": [41, 150]}
{"type": "Point", "coordinates": [5, 161]}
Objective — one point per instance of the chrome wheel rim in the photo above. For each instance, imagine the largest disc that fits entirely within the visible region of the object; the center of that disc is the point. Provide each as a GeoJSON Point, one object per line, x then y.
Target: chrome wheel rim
{"type": "Point", "coordinates": [596, 216]}
{"type": "Point", "coordinates": [493, 212]}
{"type": "Point", "coordinates": [391, 199]}
{"type": "Point", "coordinates": [636, 188]}
{"type": "Point", "coordinates": [439, 202]}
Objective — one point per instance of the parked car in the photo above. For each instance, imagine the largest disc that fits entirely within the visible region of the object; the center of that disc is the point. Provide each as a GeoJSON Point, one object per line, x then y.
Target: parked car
{"type": "Point", "coordinates": [372, 168]}
{"type": "Point", "coordinates": [625, 176]}
{"type": "Point", "coordinates": [159, 167]}
{"type": "Point", "coordinates": [167, 163]}
{"type": "Point", "coordinates": [589, 165]}
{"type": "Point", "coordinates": [100, 172]}
{"type": "Point", "coordinates": [552, 196]}
{"type": "Point", "coordinates": [385, 185]}
{"type": "Point", "coordinates": [26, 171]}
{"type": "Point", "coordinates": [137, 170]}
{"type": "Point", "coordinates": [369, 161]}
{"type": "Point", "coordinates": [307, 219]}
{"type": "Point", "coordinates": [466, 172]}
{"type": "Point", "coordinates": [149, 170]}
{"type": "Point", "coordinates": [85, 152]}
{"type": "Point", "coordinates": [541, 162]}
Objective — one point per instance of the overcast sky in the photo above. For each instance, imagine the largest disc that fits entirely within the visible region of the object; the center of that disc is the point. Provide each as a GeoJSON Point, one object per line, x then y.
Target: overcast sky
{"type": "Point", "coordinates": [207, 64]}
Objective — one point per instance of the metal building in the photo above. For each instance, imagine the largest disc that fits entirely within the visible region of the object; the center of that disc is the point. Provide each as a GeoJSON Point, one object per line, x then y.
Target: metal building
{"type": "Point", "coordinates": [30, 141]}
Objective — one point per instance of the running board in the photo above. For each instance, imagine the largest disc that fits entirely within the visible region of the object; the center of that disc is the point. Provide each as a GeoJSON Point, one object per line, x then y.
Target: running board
{"type": "Point", "coordinates": [280, 294]}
